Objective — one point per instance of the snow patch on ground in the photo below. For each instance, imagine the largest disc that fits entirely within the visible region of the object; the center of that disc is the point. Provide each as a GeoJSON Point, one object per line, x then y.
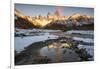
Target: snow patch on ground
{"type": "Point", "coordinates": [35, 30]}
{"type": "Point", "coordinates": [89, 49]}
{"type": "Point", "coordinates": [20, 42]}
{"type": "Point", "coordinates": [88, 40]}
{"type": "Point", "coordinates": [80, 32]}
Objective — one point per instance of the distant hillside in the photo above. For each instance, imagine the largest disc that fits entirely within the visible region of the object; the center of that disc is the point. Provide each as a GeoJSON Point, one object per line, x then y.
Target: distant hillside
{"type": "Point", "coordinates": [24, 23]}
{"type": "Point", "coordinates": [75, 21]}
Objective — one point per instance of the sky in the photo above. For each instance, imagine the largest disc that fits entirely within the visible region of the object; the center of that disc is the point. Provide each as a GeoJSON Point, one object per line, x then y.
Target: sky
{"type": "Point", "coordinates": [35, 10]}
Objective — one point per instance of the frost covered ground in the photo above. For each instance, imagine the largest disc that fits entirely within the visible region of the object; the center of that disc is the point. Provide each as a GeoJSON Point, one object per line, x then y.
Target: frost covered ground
{"type": "Point", "coordinates": [36, 35]}
{"type": "Point", "coordinates": [80, 32]}
{"type": "Point", "coordinates": [21, 42]}
{"type": "Point", "coordinates": [89, 48]}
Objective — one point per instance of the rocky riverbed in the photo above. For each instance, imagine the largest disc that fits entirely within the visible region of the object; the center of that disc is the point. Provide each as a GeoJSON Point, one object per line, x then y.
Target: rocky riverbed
{"type": "Point", "coordinates": [51, 46]}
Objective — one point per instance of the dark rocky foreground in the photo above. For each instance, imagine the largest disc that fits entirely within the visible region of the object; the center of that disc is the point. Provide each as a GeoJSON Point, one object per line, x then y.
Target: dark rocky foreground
{"type": "Point", "coordinates": [65, 48]}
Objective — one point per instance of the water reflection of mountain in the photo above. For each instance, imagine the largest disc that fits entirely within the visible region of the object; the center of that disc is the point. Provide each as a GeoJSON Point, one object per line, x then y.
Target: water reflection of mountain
{"type": "Point", "coordinates": [40, 40]}
{"type": "Point", "coordinates": [51, 51]}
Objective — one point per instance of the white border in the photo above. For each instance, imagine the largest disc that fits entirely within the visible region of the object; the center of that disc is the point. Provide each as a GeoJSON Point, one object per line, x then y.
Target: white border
{"type": "Point", "coordinates": [75, 3]}
{"type": "Point", "coordinates": [12, 36]}
{"type": "Point", "coordinates": [71, 3]}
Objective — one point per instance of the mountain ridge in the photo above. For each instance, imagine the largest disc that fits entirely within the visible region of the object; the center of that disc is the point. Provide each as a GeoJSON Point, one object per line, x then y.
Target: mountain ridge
{"type": "Point", "coordinates": [72, 21]}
